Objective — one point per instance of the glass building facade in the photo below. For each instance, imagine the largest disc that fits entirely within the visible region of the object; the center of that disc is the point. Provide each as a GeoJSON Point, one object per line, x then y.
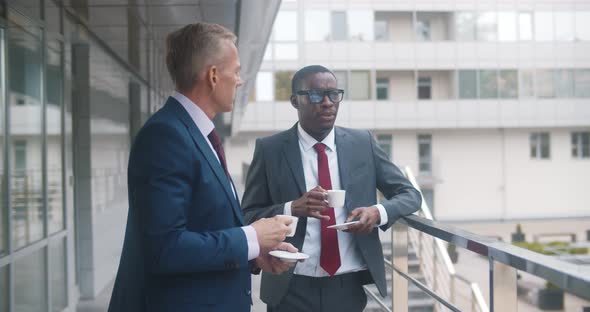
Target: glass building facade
{"type": "Point", "coordinates": [71, 100]}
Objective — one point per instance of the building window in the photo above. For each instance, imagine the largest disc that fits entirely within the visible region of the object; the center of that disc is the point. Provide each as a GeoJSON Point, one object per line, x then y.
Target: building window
{"type": "Point", "coordinates": [317, 25]}
{"type": "Point", "coordinates": [382, 88]}
{"type": "Point", "coordinates": [487, 26]}
{"type": "Point", "coordinates": [527, 83]}
{"type": "Point", "coordinates": [581, 144]}
{"type": "Point", "coordinates": [381, 28]}
{"type": "Point", "coordinates": [342, 80]}
{"type": "Point", "coordinates": [525, 26]}
{"type": "Point", "coordinates": [540, 145]}
{"type": "Point", "coordinates": [508, 84]}
{"type": "Point", "coordinates": [468, 84]}
{"type": "Point", "coordinates": [582, 83]}
{"type": "Point", "coordinates": [360, 86]}
{"type": "Point", "coordinates": [339, 26]}
{"type": "Point", "coordinates": [564, 83]}
{"type": "Point", "coordinates": [465, 26]}
{"type": "Point", "coordinates": [582, 26]}
{"type": "Point", "coordinates": [285, 51]}
{"type": "Point", "coordinates": [423, 29]}
{"type": "Point", "coordinates": [361, 25]}
{"type": "Point", "coordinates": [507, 26]}
{"type": "Point", "coordinates": [264, 87]}
{"type": "Point", "coordinates": [285, 26]}
{"type": "Point", "coordinates": [385, 141]}
{"type": "Point", "coordinates": [544, 26]}
{"type": "Point", "coordinates": [425, 153]}
{"type": "Point", "coordinates": [283, 85]}
{"type": "Point", "coordinates": [544, 83]}
{"type": "Point", "coordinates": [424, 88]}
{"type": "Point", "coordinates": [564, 26]}
{"type": "Point", "coordinates": [488, 84]}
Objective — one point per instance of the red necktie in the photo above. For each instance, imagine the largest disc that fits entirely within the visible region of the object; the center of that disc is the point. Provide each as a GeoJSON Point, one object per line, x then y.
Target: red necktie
{"type": "Point", "coordinates": [218, 147]}
{"type": "Point", "coordinates": [330, 253]}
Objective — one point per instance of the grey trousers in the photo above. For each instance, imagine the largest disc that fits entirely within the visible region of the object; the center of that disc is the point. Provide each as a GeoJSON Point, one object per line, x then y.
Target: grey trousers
{"type": "Point", "coordinates": [342, 293]}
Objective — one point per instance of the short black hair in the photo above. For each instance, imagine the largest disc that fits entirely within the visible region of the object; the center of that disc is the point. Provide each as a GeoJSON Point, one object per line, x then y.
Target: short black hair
{"type": "Point", "coordinates": [304, 72]}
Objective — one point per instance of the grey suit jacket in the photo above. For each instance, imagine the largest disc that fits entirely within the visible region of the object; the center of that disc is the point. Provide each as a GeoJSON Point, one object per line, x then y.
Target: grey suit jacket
{"type": "Point", "coordinates": [276, 177]}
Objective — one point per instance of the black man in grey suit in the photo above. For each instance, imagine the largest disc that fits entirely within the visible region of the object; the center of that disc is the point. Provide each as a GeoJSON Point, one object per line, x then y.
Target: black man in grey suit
{"type": "Point", "coordinates": [291, 173]}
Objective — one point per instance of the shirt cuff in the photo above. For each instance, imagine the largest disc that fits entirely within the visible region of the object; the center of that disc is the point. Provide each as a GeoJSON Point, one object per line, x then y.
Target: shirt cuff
{"type": "Point", "coordinates": [287, 210]}
{"type": "Point", "coordinates": [382, 214]}
{"type": "Point", "coordinates": [253, 246]}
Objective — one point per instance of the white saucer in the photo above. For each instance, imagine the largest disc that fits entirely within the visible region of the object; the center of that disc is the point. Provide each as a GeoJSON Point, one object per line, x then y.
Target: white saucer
{"type": "Point", "coordinates": [342, 226]}
{"type": "Point", "coordinates": [288, 256]}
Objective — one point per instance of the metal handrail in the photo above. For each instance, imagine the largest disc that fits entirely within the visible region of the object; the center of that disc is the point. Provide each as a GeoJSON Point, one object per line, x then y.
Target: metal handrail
{"type": "Point", "coordinates": [570, 277]}
{"type": "Point", "coordinates": [504, 261]}
{"type": "Point", "coordinates": [442, 255]}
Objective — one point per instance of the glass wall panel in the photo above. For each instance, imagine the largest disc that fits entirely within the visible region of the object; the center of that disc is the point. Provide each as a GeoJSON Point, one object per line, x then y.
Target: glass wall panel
{"type": "Point", "coordinates": [58, 269]}
{"type": "Point", "coordinates": [488, 84]}
{"type": "Point", "coordinates": [424, 88]}
{"type": "Point", "coordinates": [525, 26]}
{"type": "Point", "coordinates": [544, 26]}
{"type": "Point", "coordinates": [527, 84]}
{"type": "Point", "coordinates": [24, 96]}
{"type": "Point", "coordinates": [544, 83]}
{"type": "Point", "coordinates": [465, 26]}
{"type": "Point", "coordinates": [30, 283]}
{"type": "Point", "coordinates": [583, 25]}
{"type": "Point", "coordinates": [360, 85]}
{"type": "Point", "coordinates": [433, 26]}
{"type": "Point", "coordinates": [3, 208]}
{"type": "Point", "coordinates": [467, 84]}
{"type": "Point", "coordinates": [339, 26]}
{"type": "Point", "coordinates": [283, 85]}
{"type": "Point", "coordinates": [285, 26]}
{"type": "Point", "coordinates": [564, 26]}
{"type": "Point", "coordinates": [564, 83]}
{"type": "Point", "coordinates": [264, 86]}
{"type": "Point", "coordinates": [582, 83]}
{"type": "Point", "coordinates": [507, 26]}
{"type": "Point", "coordinates": [361, 23]}
{"type": "Point", "coordinates": [54, 83]}
{"type": "Point", "coordinates": [317, 25]}
{"type": "Point", "coordinates": [4, 288]}
{"type": "Point", "coordinates": [508, 84]}
{"type": "Point", "coordinates": [487, 26]}
{"type": "Point", "coordinates": [342, 79]}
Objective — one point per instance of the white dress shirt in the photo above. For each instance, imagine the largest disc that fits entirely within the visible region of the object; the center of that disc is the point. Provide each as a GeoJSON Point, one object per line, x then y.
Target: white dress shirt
{"type": "Point", "coordinates": [205, 125]}
{"type": "Point", "coordinates": [350, 256]}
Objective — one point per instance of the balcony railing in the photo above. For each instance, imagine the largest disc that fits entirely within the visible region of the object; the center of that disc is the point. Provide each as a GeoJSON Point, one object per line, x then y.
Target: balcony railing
{"type": "Point", "coordinates": [504, 261]}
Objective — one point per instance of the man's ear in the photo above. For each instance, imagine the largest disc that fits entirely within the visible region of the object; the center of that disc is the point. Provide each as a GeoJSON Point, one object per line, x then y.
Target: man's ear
{"type": "Point", "coordinates": [294, 101]}
{"type": "Point", "coordinates": [212, 76]}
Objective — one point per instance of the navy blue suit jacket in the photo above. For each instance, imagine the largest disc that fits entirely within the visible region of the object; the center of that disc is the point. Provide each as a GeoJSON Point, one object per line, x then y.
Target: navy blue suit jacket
{"type": "Point", "coordinates": [183, 248]}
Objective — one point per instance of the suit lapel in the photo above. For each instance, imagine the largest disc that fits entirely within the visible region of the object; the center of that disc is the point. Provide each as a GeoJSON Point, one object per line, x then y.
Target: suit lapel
{"type": "Point", "coordinates": [206, 151]}
{"type": "Point", "coordinates": [292, 153]}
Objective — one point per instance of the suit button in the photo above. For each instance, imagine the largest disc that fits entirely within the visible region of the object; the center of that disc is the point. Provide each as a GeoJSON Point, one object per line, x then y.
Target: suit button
{"type": "Point", "coordinates": [248, 292]}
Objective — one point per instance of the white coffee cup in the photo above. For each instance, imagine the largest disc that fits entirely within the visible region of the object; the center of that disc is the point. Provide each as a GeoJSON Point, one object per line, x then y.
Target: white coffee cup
{"type": "Point", "coordinates": [336, 198]}
{"type": "Point", "coordinates": [293, 225]}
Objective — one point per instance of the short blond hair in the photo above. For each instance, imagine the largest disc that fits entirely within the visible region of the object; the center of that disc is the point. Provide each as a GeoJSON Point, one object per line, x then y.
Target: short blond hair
{"type": "Point", "coordinates": [193, 47]}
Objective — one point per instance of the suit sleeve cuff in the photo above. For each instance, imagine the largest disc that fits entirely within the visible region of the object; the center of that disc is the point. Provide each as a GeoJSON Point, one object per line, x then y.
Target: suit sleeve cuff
{"type": "Point", "coordinates": [287, 210]}
{"type": "Point", "coordinates": [382, 214]}
{"type": "Point", "coordinates": [253, 246]}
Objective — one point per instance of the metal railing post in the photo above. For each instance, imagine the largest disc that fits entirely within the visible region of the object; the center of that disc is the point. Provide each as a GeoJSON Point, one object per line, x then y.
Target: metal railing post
{"type": "Point", "coordinates": [502, 287]}
{"type": "Point", "coordinates": [399, 258]}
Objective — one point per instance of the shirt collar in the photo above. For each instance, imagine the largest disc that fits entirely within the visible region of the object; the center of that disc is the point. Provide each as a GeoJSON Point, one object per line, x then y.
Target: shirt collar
{"type": "Point", "coordinates": [308, 141]}
{"type": "Point", "coordinates": [203, 122]}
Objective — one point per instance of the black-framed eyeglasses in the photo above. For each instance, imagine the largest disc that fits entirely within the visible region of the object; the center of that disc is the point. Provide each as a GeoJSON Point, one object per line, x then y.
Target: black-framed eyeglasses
{"type": "Point", "coordinates": [317, 96]}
